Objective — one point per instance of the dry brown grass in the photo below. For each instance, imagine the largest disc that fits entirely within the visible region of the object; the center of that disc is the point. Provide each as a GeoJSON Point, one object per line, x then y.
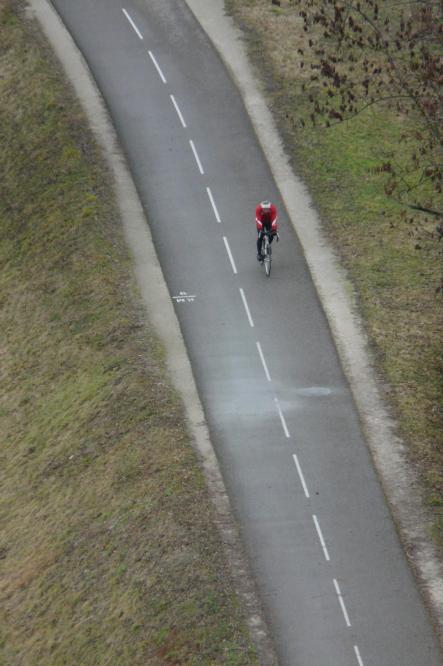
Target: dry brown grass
{"type": "Point", "coordinates": [108, 550]}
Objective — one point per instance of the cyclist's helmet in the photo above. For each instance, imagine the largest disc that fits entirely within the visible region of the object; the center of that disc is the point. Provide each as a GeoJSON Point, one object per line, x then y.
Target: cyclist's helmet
{"type": "Point", "coordinates": [265, 206]}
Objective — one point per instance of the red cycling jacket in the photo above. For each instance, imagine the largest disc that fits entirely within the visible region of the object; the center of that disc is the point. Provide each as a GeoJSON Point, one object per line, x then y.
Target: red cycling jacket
{"type": "Point", "coordinates": [266, 218]}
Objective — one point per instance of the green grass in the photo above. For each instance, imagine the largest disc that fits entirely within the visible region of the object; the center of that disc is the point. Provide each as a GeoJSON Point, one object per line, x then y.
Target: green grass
{"type": "Point", "coordinates": [108, 550]}
{"type": "Point", "coordinates": [395, 264]}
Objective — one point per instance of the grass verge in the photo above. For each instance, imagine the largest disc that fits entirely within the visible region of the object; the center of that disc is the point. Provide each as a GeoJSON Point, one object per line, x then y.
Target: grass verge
{"type": "Point", "coordinates": [108, 550]}
{"type": "Point", "coordinates": [395, 266]}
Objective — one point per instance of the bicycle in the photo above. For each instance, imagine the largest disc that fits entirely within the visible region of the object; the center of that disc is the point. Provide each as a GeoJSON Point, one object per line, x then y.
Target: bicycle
{"type": "Point", "coordinates": [267, 251]}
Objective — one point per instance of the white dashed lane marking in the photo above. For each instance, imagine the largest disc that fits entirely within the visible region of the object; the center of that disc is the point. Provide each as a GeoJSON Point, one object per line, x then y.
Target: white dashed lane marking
{"type": "Point", "coordinates": [179, 113]}
{"type": "Point", "coordinates": [282, 418]}
{"type": "Point", "coordinates": [245, 303]}
{"type": "Point", "coordinates": [214, 207]}
{"type": "Point", "coordinates": [157, 67]}
{"type": "Point", "coordinates": [197, 159]}
{"type": "Point", "coordinates": [342, 603]}
{"type": "Point", "coordinates": [137, 31]}
{"type": "Point", "coordinates": [231, 258]}
{"type": "Point", "coordinates": [300, 473]}
{"type": "Point", "coordinates": [320, 536]}
{"type": "Point", "coordinates": [268, 376]}
{"type": "Point", "coordinates": [357, 654]}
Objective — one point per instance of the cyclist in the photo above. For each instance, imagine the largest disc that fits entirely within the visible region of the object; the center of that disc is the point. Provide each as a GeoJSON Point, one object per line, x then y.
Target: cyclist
{"type": "Point", "coordinates": [265, 219]}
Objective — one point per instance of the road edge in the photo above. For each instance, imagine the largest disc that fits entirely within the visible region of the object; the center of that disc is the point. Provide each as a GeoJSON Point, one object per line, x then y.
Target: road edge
{"type": "Point", "coordinates": [336, 294]}
{"type": "Point", "coordinates": [159, 310]}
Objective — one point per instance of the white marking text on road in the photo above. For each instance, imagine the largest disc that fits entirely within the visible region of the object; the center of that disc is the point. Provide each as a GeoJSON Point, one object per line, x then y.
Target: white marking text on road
{"type": "Point", "coordinates": [231, 258]}
{"type": "Point", "coordinates": [184, 297]}
{"type": "Point", "coordinates": [157, 67]}
{"type": "Point", "coordinates": [139, 34]}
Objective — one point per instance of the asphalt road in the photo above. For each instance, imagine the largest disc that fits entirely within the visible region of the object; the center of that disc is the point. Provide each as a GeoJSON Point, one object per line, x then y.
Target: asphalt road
{"type": "Point", "coordinates": [332, 576]}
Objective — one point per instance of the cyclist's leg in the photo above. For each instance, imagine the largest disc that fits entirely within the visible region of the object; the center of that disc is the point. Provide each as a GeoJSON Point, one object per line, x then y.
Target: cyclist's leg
{"type": "Point", "coordinates": [259, 245]}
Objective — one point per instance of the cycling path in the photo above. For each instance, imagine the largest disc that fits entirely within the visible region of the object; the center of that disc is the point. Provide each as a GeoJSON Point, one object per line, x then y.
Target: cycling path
{"type": "Point", "coordinates": [332, 576]}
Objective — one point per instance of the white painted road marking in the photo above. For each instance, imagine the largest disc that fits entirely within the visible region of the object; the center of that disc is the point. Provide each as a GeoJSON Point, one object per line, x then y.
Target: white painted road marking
{"type": "Point", "coordinates": [342, 603]}
{"type": "Point", "coordinates": [245, 303]}
{"type": "Point", "coordinates": [282, 418]}
{"type": "Point", "coordinates": [184, 297]}
{"type": "Point", "coordinates": [300, 473]}
{"type": "Point", "coordinates": [231, 258]}
{"type": "Point", "coordinates": [357, 654]}
{"type": "Point", "coordinates": [157, 67]}
{"type": "Point", "coordinates": [214, 207]}
{"type": "Point", "coordinates": [140, 36]}
{"type": "Point", "coordinates": [179, 113]}
{"type": "Point", "coordinates": [320, 536]}
{"type": "Point", "coordinates": [197, 159]}
{"type": "Point", "coordinates": [268, 376]}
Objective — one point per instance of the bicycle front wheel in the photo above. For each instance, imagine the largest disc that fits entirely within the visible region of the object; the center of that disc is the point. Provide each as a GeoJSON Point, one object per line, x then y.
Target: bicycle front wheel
{"type": "Point", "coordinates": [267, 258]}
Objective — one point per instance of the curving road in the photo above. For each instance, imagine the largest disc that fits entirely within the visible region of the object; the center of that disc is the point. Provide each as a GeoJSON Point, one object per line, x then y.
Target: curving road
{"type": "Point", "coordinates": [332, 576]}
